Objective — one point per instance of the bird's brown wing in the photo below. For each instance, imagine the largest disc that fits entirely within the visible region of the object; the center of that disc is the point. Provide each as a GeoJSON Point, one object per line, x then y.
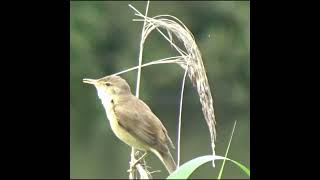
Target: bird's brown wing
{"type": "Point", "coordinates": [167, 137]}
{"type": "Point", "coordinates": [137, 118]}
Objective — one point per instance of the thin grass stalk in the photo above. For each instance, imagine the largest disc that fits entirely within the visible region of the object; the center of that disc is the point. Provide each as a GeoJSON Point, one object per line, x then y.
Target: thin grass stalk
{"type": "Point", "coordinates": [141, 170]}
{"type": "Point", "coordinates": [175, 60]}
{"type": "Point", "coordinates": [224, 160]}
{"type": "Point", "coordinates": [180, 114]}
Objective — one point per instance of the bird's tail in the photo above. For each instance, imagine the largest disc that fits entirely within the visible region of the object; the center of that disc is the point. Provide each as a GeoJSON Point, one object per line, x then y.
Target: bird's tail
{"type": "Point", "coordinates": [167, 160]}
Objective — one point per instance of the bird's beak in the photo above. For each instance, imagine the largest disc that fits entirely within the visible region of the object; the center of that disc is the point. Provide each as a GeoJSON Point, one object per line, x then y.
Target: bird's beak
{"type": "Point", "coordinates": [90, 81]}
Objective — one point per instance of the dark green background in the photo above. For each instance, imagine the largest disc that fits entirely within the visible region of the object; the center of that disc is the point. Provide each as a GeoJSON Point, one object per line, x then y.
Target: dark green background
{"type": "Point", "coordinates": [105, 40]}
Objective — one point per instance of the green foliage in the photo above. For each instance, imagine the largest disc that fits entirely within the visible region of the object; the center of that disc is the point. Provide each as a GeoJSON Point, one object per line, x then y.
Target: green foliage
{"type": "Point", "coordinates": [184, 171]}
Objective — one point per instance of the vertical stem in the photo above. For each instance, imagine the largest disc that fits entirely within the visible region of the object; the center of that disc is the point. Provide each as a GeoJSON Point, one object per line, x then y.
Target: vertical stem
{"type": "Point", "coordinates": [141, 51]}
{"type": "Point", "coordinates": [131, 175]}
{"type": "Point", "coordinates": [180, 113]}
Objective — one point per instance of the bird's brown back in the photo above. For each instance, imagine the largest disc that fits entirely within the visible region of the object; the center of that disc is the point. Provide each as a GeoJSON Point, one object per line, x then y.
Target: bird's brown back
{"type": "Point", "coordinates": [138, 119]}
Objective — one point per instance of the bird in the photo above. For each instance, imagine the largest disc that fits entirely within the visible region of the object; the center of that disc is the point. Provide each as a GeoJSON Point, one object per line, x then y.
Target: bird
{"type": "Point", "coordinates": [132, 120]}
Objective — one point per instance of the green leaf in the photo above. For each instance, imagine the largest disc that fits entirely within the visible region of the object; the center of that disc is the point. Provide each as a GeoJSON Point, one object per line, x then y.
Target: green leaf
{"type": "Point", "coordinates": [184, 171]}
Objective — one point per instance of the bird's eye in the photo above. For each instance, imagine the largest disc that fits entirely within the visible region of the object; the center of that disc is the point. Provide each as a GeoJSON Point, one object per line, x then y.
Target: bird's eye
{"type": "Point", "coordinates": [108, 84]}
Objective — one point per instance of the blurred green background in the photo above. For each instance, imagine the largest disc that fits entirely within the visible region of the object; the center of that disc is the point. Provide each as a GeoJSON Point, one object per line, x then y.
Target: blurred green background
{"type": "Point", "coordinates": [105, 40]}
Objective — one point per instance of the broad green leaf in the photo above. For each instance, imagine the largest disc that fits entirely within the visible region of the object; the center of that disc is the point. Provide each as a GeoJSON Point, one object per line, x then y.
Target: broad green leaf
{"type": "Point", "coordinates": [184, 171]}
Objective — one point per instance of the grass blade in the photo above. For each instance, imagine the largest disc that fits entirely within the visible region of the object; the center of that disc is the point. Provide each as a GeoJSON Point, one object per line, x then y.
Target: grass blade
{"type": "Point", "coordinates": [222, 167]}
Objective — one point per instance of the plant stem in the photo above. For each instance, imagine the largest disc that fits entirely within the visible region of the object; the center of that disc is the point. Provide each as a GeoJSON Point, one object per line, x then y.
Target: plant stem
{"type": "Point", "coordinates": [180, 113]}
{"type": "Point", "coordinates": [141, 52]}
{"type": "Point", "coordinates": [131, 175]}
{"type": "Point", "coordinates": [176, 59]}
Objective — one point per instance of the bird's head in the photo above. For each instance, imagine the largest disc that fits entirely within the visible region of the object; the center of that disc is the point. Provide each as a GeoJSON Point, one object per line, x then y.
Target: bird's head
{"type": "Point", "coordinates": [110, 86]}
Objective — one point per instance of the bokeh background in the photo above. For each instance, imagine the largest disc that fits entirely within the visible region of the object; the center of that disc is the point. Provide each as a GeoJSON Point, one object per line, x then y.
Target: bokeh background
{"type": "Point", "coordinates": [105, 40]}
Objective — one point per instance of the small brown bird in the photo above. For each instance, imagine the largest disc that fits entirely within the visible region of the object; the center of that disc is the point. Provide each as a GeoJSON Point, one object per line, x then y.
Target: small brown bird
{"type": "Point", "coordinates": [132, 121]}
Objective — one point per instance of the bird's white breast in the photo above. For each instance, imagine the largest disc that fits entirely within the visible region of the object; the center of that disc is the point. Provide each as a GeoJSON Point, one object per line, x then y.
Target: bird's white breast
{"type": "Point", "coordinates": [108, 106]}
{"type": "Point", "coordinates": [105, 99]}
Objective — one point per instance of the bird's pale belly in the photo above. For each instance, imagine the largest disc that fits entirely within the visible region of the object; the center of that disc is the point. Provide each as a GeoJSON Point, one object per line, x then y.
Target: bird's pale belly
{"type": "Point", "coordinates": [124, 135]}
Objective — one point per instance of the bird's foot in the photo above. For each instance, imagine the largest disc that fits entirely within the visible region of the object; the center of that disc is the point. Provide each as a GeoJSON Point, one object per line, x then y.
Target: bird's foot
{"type": "Point", "coordinates": [138, 161]}
{"type": "Point", "coordinates": [133, 164]}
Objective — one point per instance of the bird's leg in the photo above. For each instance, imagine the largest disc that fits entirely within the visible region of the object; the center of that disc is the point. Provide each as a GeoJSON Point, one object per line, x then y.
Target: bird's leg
{"type": "Point", "coordinates": [144, 163]}
{"type": "Point", "coordinates": [135, 163]}
{"type": "Point", "coordinates": [132, 168]}
{"type": "Point", "coordinates": [132, 165]}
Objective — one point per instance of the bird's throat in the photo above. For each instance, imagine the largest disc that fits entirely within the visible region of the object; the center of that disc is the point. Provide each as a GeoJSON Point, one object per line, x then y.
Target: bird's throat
{"type": "Point", "coordinates": [105, 99]}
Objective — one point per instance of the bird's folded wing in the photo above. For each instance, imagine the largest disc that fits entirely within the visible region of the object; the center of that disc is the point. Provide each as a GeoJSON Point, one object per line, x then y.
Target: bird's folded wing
{"type": "Point", "coordinates": [138, 120]}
